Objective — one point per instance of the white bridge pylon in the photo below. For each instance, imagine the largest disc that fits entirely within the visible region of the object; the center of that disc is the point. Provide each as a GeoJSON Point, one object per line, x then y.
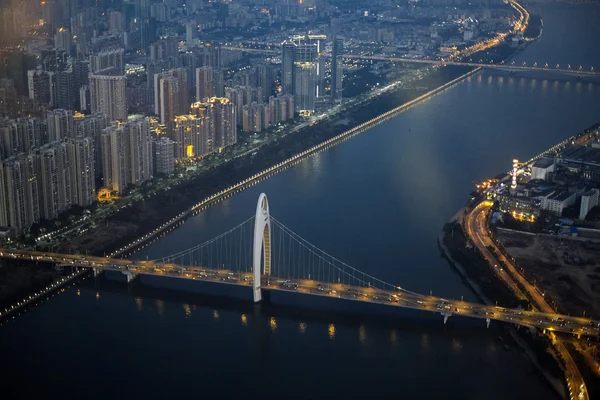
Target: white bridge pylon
{"type": "Point", "coordinates": [262, 245]}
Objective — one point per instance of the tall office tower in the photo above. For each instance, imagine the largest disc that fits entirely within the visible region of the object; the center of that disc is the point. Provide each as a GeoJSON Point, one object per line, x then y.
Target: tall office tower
{"type": "Point", "coordinates": [92, 126]}
{"type": "Point", "coordinates": [111, 60]}
{"type": "Point", "coordinates": [62, 40]}
{"type": "Point", "coordinates": [194, 133]}
{"type": "Point", "coordinates": [108, 96]}
{"type": "Point", "coordinates": [40, 84]}
{"type": "Point", "coordinates": [287, 67]}
{"type": "Point", "coordinates": [264, 79]}
{"type": "Point", "coordinates": [224, 122]}
{"type": "Point", "coordinates": [80, 152]}
{"type": "Point", "coordinates": [127, 154]}
{"type": "Point", "coordinates": [305, 83]}
{"type": "Point", "coordinates": [281, 108]}
{"type": "Point", "coordinates": [54, 179]}
{"type": "Point", "coordinates": [164, 155]}
{"type": "Point", "coordinates": [171, 96]}
{"type": "Point", "coordinates": [19, 201]}
{"type": "Point", "coordinates": [205, 83]}
{"type": "Point", "coordinates": [60, 124]}
{"type": "Point", "coordinates": [337, 69]}
{"type": "Point", "coordinates": [65, 93]}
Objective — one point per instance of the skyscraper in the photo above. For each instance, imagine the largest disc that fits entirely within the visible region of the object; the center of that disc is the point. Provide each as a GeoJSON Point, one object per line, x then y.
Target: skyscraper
{"type": "Point", "coordinates": [108, 96]}
{"type": "Point", "coordinates": [54, 179]}
{"type": "Point", "coordinates": [287, 68]}
{"type": "Point", "coordinates": [205, 84]}
{"type": "Point", "coordinates": [171, 96]}
{"type": "Point", "coordinates": [127, 154]}
{"type": "Point", "coordinates": [92, 126]}
{"type": "Point", "coordinates": [305, 86]}
{"type": "Point", "coordinates": [111, 60]}
{"type": "Point", "coordinates": [62, 40]}
{"type": "Point", "coordinates": [194, 133]}
{"type": "Point", "coordinates": [337, 69]}
{"type": "Point", "coordinates": [164, 155]}
{"type": "Point", "coordinates": [60, 124]}
{"type": "Point", "coordinates": [19, 202]}
{"type": "Point", "coordinates": [82, 174]}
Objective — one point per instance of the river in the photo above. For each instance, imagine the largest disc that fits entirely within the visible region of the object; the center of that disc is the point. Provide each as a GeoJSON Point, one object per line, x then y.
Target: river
{"type": "Point", "coordinates": [377, 202]}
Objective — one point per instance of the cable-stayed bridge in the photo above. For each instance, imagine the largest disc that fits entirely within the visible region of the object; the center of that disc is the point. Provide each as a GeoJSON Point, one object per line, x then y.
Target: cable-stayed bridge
{"type": "Point", "coordinates": [263, 254]}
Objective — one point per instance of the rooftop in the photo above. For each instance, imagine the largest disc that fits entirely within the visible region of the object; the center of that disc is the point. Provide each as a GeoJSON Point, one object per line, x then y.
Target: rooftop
{"type": "Point", "coordinates": [543, 162]}
{"type": "Point", "coordinates": [585, 154]}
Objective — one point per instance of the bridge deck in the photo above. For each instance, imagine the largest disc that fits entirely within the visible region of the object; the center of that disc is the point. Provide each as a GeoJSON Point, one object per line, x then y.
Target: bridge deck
{"type": "Point", "coordinates": [398, 298]}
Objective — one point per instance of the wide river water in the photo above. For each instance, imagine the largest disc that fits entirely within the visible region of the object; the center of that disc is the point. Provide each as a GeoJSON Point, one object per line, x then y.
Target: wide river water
{"type": "Point", "coordinates": [377, 202]}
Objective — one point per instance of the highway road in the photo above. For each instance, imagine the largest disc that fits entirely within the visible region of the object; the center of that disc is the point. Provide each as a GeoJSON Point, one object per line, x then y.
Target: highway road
{"type": "Point", "coordinates": [476, 228]}
{"type": "Point", "coordinates": [398, 297]}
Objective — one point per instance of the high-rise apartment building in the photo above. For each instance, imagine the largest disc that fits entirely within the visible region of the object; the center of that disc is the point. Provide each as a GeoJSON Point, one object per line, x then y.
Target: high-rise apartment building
{"type": "Point", "coordinates": [80, 153]}
{"type": "Point", "coordinates": [171, 96]}
{"type": "Point", "coordinates": [108, 60]}
{"type": "Point", "coordinates": [54, 179]}
{"type": "Point", "coordinates": [92, 126]}
{"type": "Point", "coordinates": [19, 201]}
{"type": "Point", "coordinates": [164, 155]}
{"type": "Point", "coordinates": [127, 154]}
{"type": "Point", "coordinates": [59, 123]}
{"type": "Point", "coordinates": [205, 83]}
{"type": "Point", "coordinates": [108, 96]}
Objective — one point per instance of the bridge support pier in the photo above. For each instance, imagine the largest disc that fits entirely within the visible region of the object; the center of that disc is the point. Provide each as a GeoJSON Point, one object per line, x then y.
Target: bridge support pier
{"type": "Point", "coordinates": [130, 276]}
{"type": "Point", "coordinates": [487, 322]}
{"type": "Point", "coordinates": [98, 271]}
{"type": "Point", "coordinates": [446, 315]}
{"type": "Point", "coordinates": [262, 246]}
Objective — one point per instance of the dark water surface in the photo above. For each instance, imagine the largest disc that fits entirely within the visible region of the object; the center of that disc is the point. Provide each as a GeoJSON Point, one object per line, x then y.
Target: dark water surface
{"type": "Point", "coordinates": [377, 202]}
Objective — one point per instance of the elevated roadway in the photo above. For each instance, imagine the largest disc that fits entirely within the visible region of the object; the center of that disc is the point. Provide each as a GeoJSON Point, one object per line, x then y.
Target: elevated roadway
{"type": "Point", "coordinates": [400, 298]}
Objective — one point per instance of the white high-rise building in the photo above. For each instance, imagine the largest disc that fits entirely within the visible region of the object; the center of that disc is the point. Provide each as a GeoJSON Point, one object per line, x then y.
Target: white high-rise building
{"type": "Point", "coordinates": [588, 201]}
{"type": "Point", "coordinates": [108, 96]}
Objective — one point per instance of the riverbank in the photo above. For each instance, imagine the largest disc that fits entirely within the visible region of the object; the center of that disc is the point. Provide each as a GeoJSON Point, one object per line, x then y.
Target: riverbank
{"type": "Point", "coordinates": [140, 220]}
{"type": "Point", "coordinates": [475, 272]}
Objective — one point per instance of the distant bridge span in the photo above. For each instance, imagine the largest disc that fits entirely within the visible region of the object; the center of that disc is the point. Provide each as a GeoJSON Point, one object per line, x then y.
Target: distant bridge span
{"type": "Point", "coordinates": [534, 68]}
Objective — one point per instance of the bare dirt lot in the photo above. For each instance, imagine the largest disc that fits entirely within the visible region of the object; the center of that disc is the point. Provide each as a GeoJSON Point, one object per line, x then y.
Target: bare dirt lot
{"type": "Point", "coordinates": [566, 268]}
